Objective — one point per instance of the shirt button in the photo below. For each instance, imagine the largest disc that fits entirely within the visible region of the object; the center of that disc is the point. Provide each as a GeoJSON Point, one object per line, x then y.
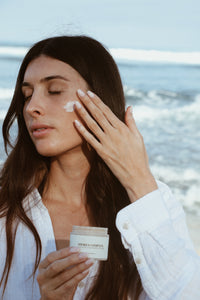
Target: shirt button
{"type": "Point", "coordinates": [81, 284]}
{"type": "Point", "coordinates": [125, 225]}
{"type": "Point", "coordinates": [138, 261]}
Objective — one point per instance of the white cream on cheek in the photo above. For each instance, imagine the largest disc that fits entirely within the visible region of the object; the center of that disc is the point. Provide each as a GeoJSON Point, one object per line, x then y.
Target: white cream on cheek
{"type": "Point", "coordinates": [69, 106]}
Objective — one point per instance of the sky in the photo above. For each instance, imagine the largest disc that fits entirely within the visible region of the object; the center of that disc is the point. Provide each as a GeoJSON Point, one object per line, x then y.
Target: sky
{"type": "Point", "coordinates": [140, 24]}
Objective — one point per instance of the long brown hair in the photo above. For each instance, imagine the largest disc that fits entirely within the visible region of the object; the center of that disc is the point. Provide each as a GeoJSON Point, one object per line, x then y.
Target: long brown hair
{"type": "Point", "coordinates": [24, 165]}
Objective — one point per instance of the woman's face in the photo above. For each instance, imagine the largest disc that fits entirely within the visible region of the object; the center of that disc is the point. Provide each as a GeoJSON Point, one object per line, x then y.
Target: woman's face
{"type": "Point", "coordinates": [49, 87]}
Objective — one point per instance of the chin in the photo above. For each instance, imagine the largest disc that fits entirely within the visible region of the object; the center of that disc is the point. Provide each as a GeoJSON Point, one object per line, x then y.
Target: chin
{"type": "Point", "coordinates": [49, 151]}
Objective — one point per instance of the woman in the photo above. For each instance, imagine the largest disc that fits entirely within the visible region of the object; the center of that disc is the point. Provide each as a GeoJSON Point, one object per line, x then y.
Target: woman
{"type": "Point", "coordinates": [79, 159]}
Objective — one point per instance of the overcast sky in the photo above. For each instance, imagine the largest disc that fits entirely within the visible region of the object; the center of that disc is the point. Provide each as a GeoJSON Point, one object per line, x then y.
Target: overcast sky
{"type": "Point", "coordinates": [141, 24]}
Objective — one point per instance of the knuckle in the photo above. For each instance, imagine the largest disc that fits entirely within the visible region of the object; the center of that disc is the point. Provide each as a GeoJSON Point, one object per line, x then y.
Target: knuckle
{"type": "Point", "coordinates": [93, 126]}
{"type": "Point", "coordinates": [97, 115]}
{"type": "Point", "coordinates": [104, 124]}
{"type": "Point", "coordinates": [106, 109]}
{"type": "Point", "coordinates": [90, 104]}
{"type": "Point", "coordinates": [84, 113]}
{"type": "Point", "coordinates": [78, 278]}
{"type": "Point", "coordinates": [72, 260]}
{"type": "Point", "coordinates": [50, 258]}
{"type": "Point", "coordinates": [86, 99]}
{"type": "Point", "coordinates": [80, 268]}
{"type": "Point", "coordinates": [53, 268]}
{"type": "Point", "coordinates": [39, 278]}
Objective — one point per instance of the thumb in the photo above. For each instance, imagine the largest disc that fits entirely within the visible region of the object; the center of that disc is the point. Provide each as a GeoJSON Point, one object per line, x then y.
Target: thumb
{"type": "Point", "coordinates": [129, 120]}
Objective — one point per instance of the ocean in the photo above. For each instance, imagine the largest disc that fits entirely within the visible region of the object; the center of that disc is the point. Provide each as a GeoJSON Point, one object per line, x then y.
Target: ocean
{"type": "Point", "coordinates": [164, 89]}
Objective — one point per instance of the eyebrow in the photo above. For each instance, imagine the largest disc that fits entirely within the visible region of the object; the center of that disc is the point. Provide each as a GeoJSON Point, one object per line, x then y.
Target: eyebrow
{"type": "Point", "coordinates": [46, 79]}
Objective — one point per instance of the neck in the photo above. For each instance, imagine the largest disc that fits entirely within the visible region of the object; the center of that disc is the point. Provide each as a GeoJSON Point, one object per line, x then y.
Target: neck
{"type": "Point", "coordinates": [66, 181]}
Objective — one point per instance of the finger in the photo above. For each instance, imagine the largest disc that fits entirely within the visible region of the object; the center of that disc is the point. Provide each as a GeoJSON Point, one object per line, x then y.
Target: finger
{"type": "Point", "coordinates": [130, 122]}
{"type": "Point", "coordinates": [113, 119]}
{"type": "Point", "coordinates": [65, 263]}
{"type": "Point", "coordinates": [129, 119]}
{"type": "Point", "coordinates": [71, 284]}
{"type": "Point", "coordinates": [68, 274]}
{"type": "Point", "coordinates": [96, 113]}
{"type": "Point", "coordinates": [106, 111]}
{"type": "Point", "coordinates": [89, 121]}
{"type": "Point", "coordinates": [88, 136]}
{"type": "Point", "coordinates": [53, 256]}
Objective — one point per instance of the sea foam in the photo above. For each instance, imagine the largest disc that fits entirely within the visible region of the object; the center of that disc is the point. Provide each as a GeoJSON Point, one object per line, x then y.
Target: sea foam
{"type": "Point", "coordinates": [184, 183]}
{"type": "Point", "coordinates": [12, 52]}
{"type": "Point", "coordinates": [6, 93]}
{"type": "Point", "coordinates": [123, 54]}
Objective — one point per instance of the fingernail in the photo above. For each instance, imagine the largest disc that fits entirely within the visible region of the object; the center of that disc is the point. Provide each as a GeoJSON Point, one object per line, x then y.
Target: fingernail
{"type": "Point", "coordinates": [77, 123]}
{"type": "Point", "coordinates": [80, 92]}
{"type": "Point", "coordinates": [77, 104]}
{"type": "Point", "coordinates": [74, 249]}
{"type": "Point", "coordinates": [89, 261]}
{"type": "Point", "coordinates": [131, 109]}
{"type": "Point", "coordinates": [91, 94]}
{"type": "Point", "coordinates": [83, 255]}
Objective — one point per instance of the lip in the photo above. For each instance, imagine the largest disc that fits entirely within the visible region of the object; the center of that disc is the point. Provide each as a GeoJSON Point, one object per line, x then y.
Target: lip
{"type": "Point", "coordinates": [40, 130]}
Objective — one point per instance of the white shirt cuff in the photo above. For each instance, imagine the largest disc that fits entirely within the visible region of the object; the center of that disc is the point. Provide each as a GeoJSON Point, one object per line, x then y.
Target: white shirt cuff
{"type": "Point", "coordinates": [144, 215]}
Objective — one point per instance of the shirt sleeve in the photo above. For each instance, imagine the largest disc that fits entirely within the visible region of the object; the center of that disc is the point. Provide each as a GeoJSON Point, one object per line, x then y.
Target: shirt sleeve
{"type": "Point", "coordinates": [154, 230]}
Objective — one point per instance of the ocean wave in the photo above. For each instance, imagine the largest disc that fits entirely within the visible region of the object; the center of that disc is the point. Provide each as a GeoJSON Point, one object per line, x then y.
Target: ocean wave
{"type": "Point", "coordinates": [128, 55]}
{"type": "Point", "coordinates": [6, 93]}
{"type": "Point", "coordinates": [185, 184]}
{"type": "Point", "coordinates": [159, 105]}
{"type": "Point", "coordinates": [160, 95]}
{"type": "Point", "coordinates": [2, 114]}
{"type": "Point", "coordinates": [123, 54]}
{"type": "Point", "coordinates": [144, 113]}
{"type": "Point", "coordinates": [12, 52]}
{"type": "Point", "coordinates": [131, 92]}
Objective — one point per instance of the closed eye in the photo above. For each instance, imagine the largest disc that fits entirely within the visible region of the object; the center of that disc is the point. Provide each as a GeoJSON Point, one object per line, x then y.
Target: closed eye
{"type": "Point", "coordinates": [54, 92]}
{"type": "Point", "coordinates": [26, 98]}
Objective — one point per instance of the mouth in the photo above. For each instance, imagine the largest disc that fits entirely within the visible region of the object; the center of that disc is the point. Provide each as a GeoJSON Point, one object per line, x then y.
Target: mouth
{"type": "Point", "coordinates": [40, 130]}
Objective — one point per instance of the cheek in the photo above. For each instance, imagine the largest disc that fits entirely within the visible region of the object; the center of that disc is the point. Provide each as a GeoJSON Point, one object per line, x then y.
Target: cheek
{"type": "Point", "coordinates": [69, 112]}
{"type": "Point", "coordinates": [66, 120]}
{"type": "Point", "coordinates": [69, 106]}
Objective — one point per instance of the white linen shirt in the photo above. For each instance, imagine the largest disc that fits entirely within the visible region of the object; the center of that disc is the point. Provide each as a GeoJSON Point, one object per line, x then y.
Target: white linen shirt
{"type": "Point", "coordinates": [153, 229]}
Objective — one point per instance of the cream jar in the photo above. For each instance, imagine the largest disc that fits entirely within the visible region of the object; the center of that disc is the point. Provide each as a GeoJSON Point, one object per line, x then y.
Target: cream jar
{"type": "Point", "coordinates": [91, 240]}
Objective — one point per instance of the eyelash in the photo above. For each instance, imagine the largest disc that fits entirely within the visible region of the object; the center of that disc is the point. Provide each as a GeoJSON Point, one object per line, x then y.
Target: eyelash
{"type": "Point", "coordinates": [51, 93]}
{"type": "Point", "coordinates": [26, 98]}
{"type": "Point", "coordinates": [55, 92]}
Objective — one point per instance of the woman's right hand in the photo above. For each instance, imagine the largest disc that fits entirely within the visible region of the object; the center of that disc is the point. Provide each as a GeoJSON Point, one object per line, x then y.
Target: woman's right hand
{"type": "Point", "coordinates": [60, 273]}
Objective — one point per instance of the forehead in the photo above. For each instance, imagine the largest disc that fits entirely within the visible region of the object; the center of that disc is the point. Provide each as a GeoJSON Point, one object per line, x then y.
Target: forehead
{"type": "Point", "coordinates": [44, 66]}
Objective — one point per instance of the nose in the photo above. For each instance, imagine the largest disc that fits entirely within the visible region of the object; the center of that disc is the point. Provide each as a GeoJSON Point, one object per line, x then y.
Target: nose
{"type": "Point", "coordinates": [35, 105]}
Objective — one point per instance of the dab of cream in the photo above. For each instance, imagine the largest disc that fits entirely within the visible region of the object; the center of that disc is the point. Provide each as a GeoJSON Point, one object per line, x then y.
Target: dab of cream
{"type": "Point", "coordinates": [69, 106]}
